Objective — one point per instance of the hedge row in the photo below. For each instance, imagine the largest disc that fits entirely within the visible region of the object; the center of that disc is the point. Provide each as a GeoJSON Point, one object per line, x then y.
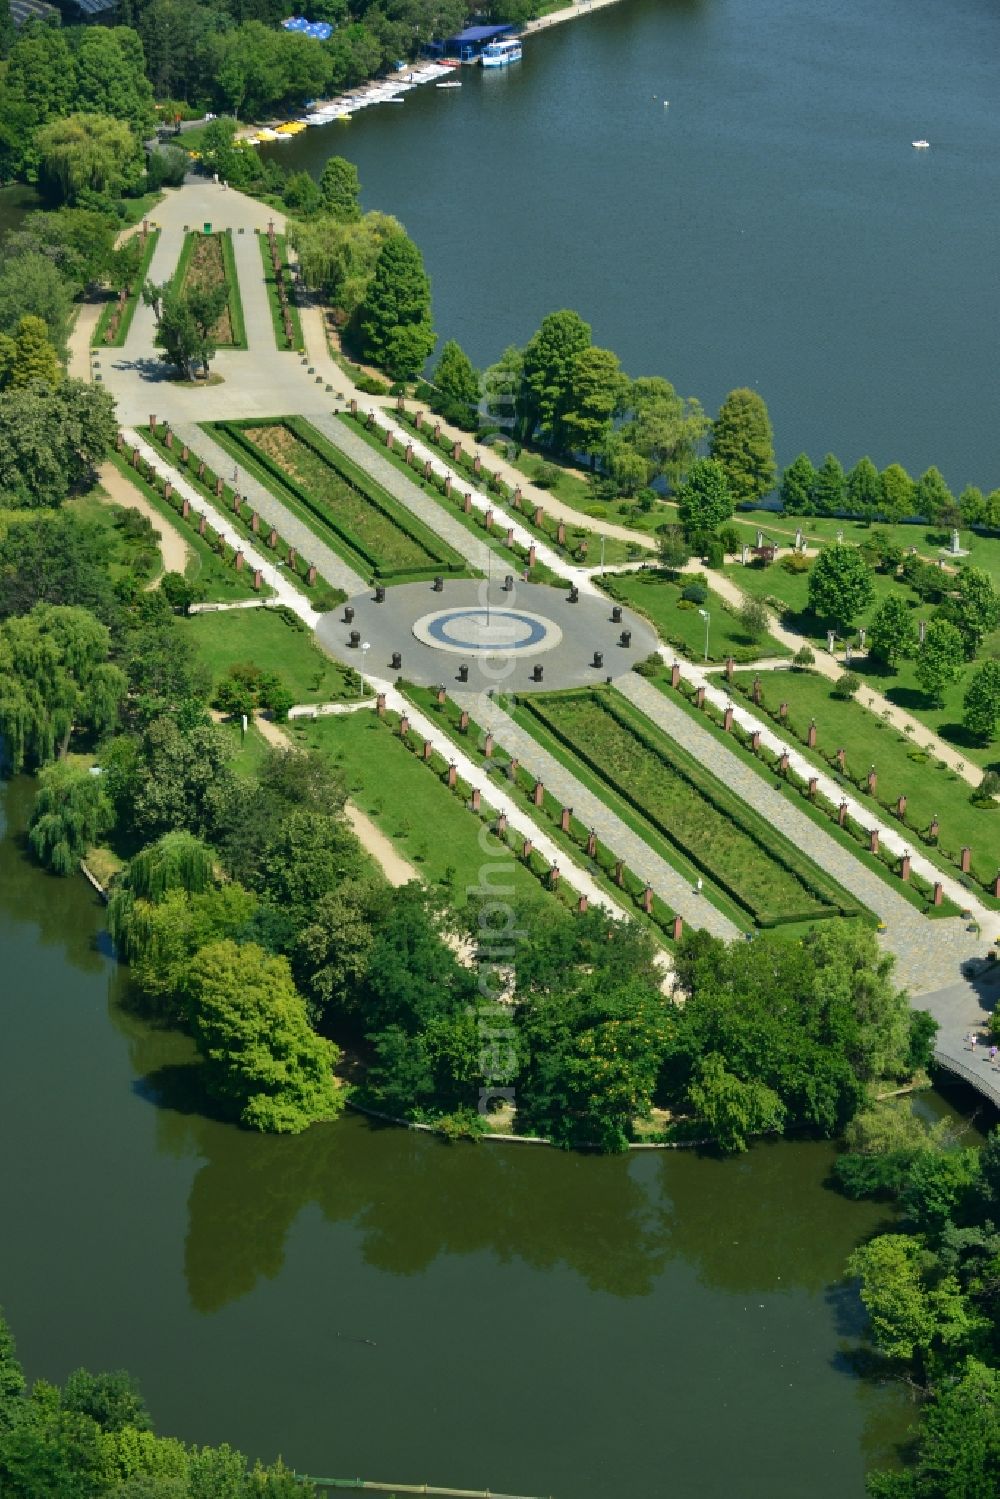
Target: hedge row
{"type": "Point", "coordinates": [128, 301]}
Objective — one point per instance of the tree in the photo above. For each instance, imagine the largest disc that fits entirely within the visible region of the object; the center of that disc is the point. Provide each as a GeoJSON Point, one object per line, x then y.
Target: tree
{"type": "Point", "coordinates": [340, 189]}
{"type": "Point", "coordinates": [742, 441]}
{"type": "Point", "coordinates": [933, 499]}
{"type": "Point", "coordinates": [180, 333]}
{"type": "Point", "coordinates": [797, 485]}
{"type": "Point", "coordinates": [891, 633]}
{"type": "Point", "coordinates": [662, 427]}
{"type": "Point", "coordinates": [828, 487]}
{"type": "Point", "coordinates": [457, 382]}
{"type": "Point", "coordinates": [28, 356]}
{"type": "Point", "coordinates": [972, 506]}
{"type": "Point", "coordinates": [672, 549]}
{"type": "Point", "coordinates": [52, 439]}
{"type": "Point", "coordinates": [506, 393]}
{"type": "Point", "coordinates": [982, 702]}
{"type": "Point", "coordinates": [548, 364]}
{"type": "Point", "coordinates": [897, 493]}
{"type": "Point", "coordinates": [79, 242]}
{"type": "Point", "coordinates": [301, 195]}
{"type": "Point", "coordinates": [958, 1443]}
{"type": "Point", "coordinates": [597, 385]}
{"type": "Point", "coordinates": [72, 811]}
{"type": "Point", "coordinates": [734, 1111]}
{"type": "Point", "coordinates": [31, 285]}
{"type": "Point", "coordinates": [852, 973]}
{"type": "Point", "coordinates": [249, 1023]}
{"type": "Point", "coordinates": [334, 949]}
{"type": "Point", "coordinates": [753, 617]}
{"type": "Point", "coordinates": [841, 585]}
{"type": "Point", "coordinates": [54, 676]}
{"type": "Point", "coordinates": [625, 468]}
{"type": "Point", "coordinates": [12, 1381]}
{"type": "Point", "coordinates": [863, 490]}
{"type": "Point", "coordinates": [54, 559]}
{"type": "Point", "coordinates": [87, 153]}
{"type": "Point", "coordinates": [338, 259]}
{"type": "Point", "coordinates": [704, 500]}
{"type": "Point", "coordinates": [911, 1311]}
{"type": "Point", "coordinates": [939, 660]}
{"type": "Point", "coordinates": [973, 608]}
{"type": "Point", "coordinates": [395, 320]}
{"type": "Point", "coordinates": [112, 1400]}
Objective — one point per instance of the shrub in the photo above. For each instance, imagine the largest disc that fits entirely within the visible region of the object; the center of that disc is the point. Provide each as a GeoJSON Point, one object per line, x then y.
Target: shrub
{"type": "Point", "coordinates": [596, 512]}
{"type": "Point", "coordinates": [649, 666]}
{"type": "Point", "coordinates": [796, 562]}
{"type": "Point", "coordinates": [714, 555]}
{"type": "Point", "coordinates": [753, 617]}
{"type": "Point", "coordinates": [804, 657]}
{"type": "Point", "coordinates": [546, 476]}
{"type": "Point", "coordinates": [695, 593]}
{"type": "Point", "coordinates": [370, 386]}
{"type": "Point", "coordinates": [989, 787]}
{"type": "Point", "coordinates": [846, 686]}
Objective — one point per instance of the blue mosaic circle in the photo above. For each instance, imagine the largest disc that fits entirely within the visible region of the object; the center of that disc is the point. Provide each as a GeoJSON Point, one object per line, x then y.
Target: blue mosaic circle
{"type": "Point", "coordinates": [476, 629]}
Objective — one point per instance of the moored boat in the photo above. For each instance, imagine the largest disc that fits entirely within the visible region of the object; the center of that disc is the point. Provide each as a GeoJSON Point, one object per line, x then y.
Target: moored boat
{"type": "Point", "coordinates": [502, 53]}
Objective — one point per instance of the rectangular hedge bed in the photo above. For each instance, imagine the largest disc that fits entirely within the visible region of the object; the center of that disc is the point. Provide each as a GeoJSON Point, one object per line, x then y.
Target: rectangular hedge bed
{"type": "Point", "coordinates": [755, 865]}
{"type": "Point", "coordinates": [118, 327]}
{"type": "Point", "coordinates": [376, 535]}
{"type": "Point", "coordinates": [208, 259]}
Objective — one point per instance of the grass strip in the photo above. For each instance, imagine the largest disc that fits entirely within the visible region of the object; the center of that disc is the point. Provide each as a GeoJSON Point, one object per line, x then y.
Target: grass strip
{"type": "Point", "coordinates": [273, 300]}
{"type": "Point", "coordinates": [579, 544]}
{"type": "Point", "coordinates": [818, 809]}
{"type": "Point", "coordinates": [321, 594]}
{"type": "Point", "coordinates": [900, 764]}
{"type": "Point", "coordinates": [99, 338]}
{"type": "Point", "coordinates": [658, 596]}
{"type": "Point", "coordinates": [225, 271]}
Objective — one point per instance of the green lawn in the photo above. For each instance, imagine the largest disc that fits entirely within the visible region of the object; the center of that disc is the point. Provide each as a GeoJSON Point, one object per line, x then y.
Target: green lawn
{"type": "Point", "coordinates": [123, 554]}
{"type": "Point", "coordinates": [759, 869]}
{"type": "Point", "coordinates": [656, 596]}
{"type": "Point", "coordinates": [251, 749]}
{"type": "Point", "coordinates": [428, 823]}
{"type": "Point", "coordinates": [269, 640]}
{"type": "Point", "coordinates": [902, 767]}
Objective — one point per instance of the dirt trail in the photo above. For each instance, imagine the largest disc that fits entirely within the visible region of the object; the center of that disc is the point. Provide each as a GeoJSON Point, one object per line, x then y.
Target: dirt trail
{"type": "Point", "coordinates": [174, 550]}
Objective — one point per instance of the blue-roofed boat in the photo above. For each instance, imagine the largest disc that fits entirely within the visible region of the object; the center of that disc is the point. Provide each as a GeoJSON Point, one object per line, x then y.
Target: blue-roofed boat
{"type": "Point", "coordinates": [502, 53]}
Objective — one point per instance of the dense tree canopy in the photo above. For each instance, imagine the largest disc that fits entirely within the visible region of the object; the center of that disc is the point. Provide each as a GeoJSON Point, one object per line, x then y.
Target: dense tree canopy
{"type": "Point", "coordinates": [395, 320]}
{"type": "Point", "coordinates": [841, 585]}
{"type": "Point", "coordinates": [742, 441]}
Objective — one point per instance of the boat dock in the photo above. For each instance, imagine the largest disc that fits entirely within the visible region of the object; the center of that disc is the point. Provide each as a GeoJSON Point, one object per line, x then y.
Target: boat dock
{"type": "Point", "coordinates": [404, 1488]}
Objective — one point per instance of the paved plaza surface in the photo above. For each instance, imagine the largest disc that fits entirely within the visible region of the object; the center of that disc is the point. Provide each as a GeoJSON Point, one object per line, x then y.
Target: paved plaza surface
{"type": "Point", "coordinates": [502, 637]}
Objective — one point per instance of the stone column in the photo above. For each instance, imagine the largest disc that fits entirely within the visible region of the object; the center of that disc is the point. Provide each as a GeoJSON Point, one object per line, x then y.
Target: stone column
{"type": "Point", "coordinates": [904, 867]}
{"type": "Point", "coordinates": [452, 774]}
{"type": "Point", "coordinates": [538, 793]}
{"type": "Point", "coordinates": [938, 892]}
{"type": "Point", "coordinates": [476, 798]}
{"type": "Point", "coordinates": [675, 674]}
{"type": "Point", "coordinates": [727, 720]}
{"type": "Point", "coordinates": [526, 848]}
{"type": "Point", "coordinates": [258, 578]}
{"type": "Point", "coordinates": [238, 561]}
{"type": "Point", "coordinates": [404, 726]}
{"type": "Point", "coordinates": [873, 840]}
{"type": "Point", "coordinates": [428, 749]}
{"type": "Point", "coordinates": [539, 514]}
{"type": "Point", "coordinates": [380, 705]}
{"type": "Point", "coordinates": [699, 698]}
{"type": "Point", "coordinates": [755, 741]}
{"type": "Point", "coordinates": [592, 845]}
{"type": "Point", "coordinates": [564, 818]}
{"type": "Point", "coordinates": [678, 928]}
{"type": "Point", "coordinates": [813, 786]}
{"type": "Point", "coordinates": [581, 905]}
{"type": "Point", "coordinates": [872, 781]}
{"type": "Point", "coordinates": [811, 735]}
{"type": "Point", "coordinates": [841, 759]}
{"type": "Point", "coordinates": [311, 575]}
{"type": "Point", "coordinates": [965, 859]}
{"type": "Point", "coordinates": [901, 806]}
{"type": "Point", "coordinates": [647, 900]}
{"type": "Point", "coordinates": [730, 668]}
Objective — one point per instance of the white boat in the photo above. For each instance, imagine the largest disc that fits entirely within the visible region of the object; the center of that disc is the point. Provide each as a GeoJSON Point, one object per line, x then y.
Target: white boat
{"type": "Point", "coordinates": [501, 54]}
{"type": "Point", "coordinates": [920, 145]}
{"type": "Point", "coordinates": [447, 85]}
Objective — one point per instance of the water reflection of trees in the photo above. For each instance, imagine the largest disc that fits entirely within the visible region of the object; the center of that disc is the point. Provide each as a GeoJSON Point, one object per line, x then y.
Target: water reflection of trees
{"type": "Point", "coordinates": [61, 912]}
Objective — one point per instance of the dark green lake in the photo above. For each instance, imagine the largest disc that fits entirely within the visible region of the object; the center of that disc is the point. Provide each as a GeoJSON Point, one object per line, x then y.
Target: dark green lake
{"type": "Point", "coordinates": [773, 227]}
{"type": "Point", "coordinates": [543, 1323]}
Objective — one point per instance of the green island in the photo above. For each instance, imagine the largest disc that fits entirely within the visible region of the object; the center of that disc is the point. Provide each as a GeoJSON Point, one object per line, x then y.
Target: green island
{"type": "Point", "coordinates": [448, 814]}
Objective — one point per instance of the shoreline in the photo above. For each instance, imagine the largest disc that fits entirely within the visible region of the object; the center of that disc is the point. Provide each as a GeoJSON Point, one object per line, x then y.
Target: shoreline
{"type": "Point", "coordinates": [569, 13]}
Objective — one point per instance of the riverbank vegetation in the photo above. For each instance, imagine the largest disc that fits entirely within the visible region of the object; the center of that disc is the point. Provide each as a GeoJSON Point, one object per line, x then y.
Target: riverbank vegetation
{"type": "Point", "coordinates": [930, 1289]}
{"type": "Point", "coordinates": [93, 1438]}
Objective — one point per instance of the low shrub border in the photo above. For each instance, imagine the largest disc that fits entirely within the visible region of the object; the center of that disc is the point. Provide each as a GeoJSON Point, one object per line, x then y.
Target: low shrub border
{"type": "Point", "coordinates": [321, 594]}
{"type": "Point", "coordinates": [936, 852]}
{"type": "Point", "coordinates": [603, 865]}
{"type": "Point", "coordinates": [917, 891]}
{"type": "Point", "coordinates": [116, 317]}
{"type": "Point", "coordinates": [441, 558]}
{"type": "Point", "coordinates": [517, 557]}
{"type": "Point", "coordinates": [831, 899]}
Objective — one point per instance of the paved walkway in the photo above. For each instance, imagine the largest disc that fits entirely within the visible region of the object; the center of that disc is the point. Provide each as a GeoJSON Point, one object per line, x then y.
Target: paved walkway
{"type": "Point", "coordinates": [615, 834]}
{"type": "Point", "coordinates": [959, 1009]}
{"type": "Point", "coordinates": [295, 531]}
{"type": "Point", "coordinates": [928, 952]}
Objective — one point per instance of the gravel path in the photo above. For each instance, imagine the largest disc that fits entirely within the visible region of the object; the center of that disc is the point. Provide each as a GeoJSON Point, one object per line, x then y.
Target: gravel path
{"type": "Point", "coordinates": [330, 564]}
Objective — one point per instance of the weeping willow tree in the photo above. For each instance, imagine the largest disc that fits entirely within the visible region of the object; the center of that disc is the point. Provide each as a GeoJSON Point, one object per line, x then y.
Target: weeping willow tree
{"type": "Point", "coordinates": [72, 812]}
{"type": "Point", "coordinates": [177, 861]}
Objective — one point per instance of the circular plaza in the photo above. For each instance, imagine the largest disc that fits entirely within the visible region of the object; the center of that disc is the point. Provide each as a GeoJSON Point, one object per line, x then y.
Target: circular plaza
{"type": "Point", "coordinates": [473, 634]}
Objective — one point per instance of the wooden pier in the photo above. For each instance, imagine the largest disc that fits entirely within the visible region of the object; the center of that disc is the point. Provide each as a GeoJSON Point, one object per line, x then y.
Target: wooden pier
{"type": "Point", "coordinates": [405, 1488]}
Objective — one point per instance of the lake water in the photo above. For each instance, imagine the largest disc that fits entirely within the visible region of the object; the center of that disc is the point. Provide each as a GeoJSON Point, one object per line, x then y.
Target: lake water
{"type": "Point", "coordinates": [539, 1323]}
{"type": "Point", "coordinates": [773, 227]}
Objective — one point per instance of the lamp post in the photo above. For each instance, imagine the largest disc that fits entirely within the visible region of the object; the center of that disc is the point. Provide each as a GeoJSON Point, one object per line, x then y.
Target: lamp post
{"type": "Point", "coordinates": [366, 646]}
{"type": "Point", "coordinates": [706, 616]}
